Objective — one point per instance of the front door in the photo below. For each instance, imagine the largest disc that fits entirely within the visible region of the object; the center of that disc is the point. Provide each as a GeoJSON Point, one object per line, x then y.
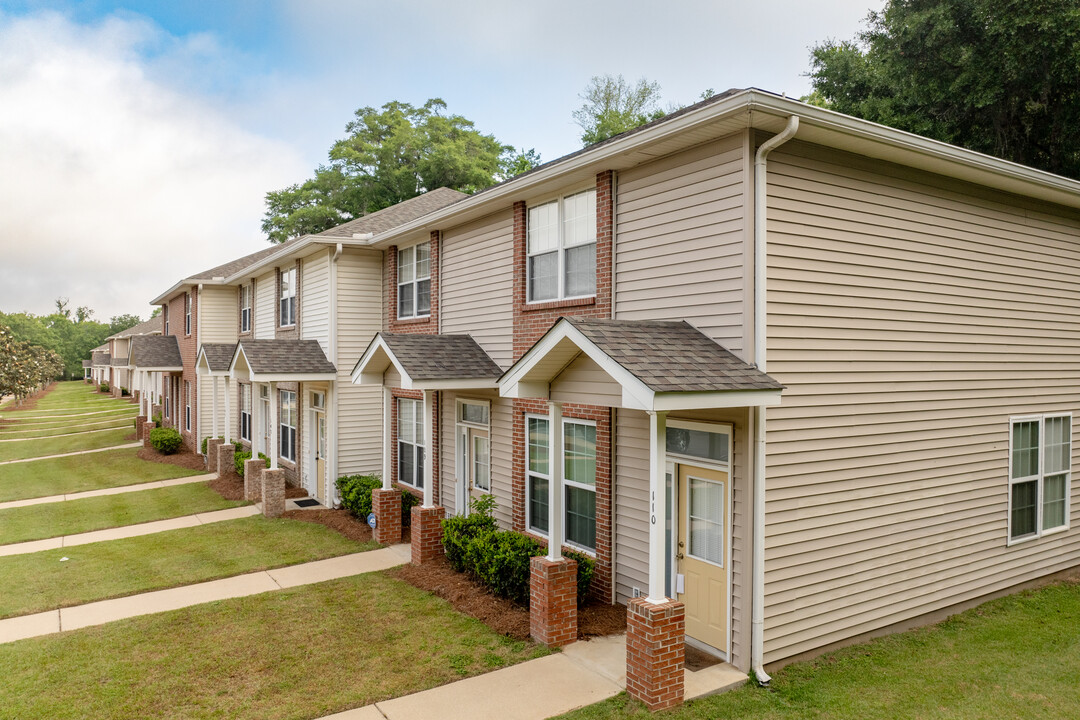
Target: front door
{"type": "Point", "coordinates": [265, 440]}
{"type": "Point", "coordinates": [320, 457]}
{"type": "Point", "coordinates": [702, 554]}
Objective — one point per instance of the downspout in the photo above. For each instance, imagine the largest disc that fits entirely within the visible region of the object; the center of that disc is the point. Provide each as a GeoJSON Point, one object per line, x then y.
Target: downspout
{"type": "Point", "coordinates": [757, 636]}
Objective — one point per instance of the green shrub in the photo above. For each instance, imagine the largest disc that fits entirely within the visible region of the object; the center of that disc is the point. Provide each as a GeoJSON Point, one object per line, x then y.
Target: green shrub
{"type": "Point", "coordinates": [355, 493]}
{"type": "Point", "coordinates": [165, 440]}
{"type": "Point", "coordinates": [124, 392]}
{"type": "Point", "coordinates": [242, 456]}
{"type": "Point", "coordinates": [460, 530]}
{"type": "Point", "coordinates": [235, 443]}
{"type": "Point", "coordinates": [103, 387]}
{"type": "Point", "coordinates": [157, 420]}
{"type": "Point", "coordinates": [586, 567]}
{"type": "Point", "coordinates": [408, 502]}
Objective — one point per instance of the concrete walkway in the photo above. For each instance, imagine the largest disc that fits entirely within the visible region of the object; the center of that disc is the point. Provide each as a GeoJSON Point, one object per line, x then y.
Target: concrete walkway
{"type": "Point", "coordinates": [153, 485]}
{"type": "Point", "coordinates": [70, 454]}
{"type": "Point", "coordinates": [582, 674]}
{"type": "Point", "coordinates": [106, 611]}
{"type": "Point", "coordinates": [128, 531]}
{"type": "Point", "coordinates": [70, 434]}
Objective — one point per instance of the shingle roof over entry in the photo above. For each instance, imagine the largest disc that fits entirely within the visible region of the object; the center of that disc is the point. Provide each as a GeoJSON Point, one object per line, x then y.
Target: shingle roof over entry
{"type": "Point", "coordinates": [285, 357]}
{"type": "Point", "coordinates": [441, 357]}
{"type": "Point", "coordinates": [218, 355]}
{"type": "Point", "coordinates": [119, 362]}
{"type": "Point", "coordinates": [101, 358]}
{"type": "Point", "coordinates": [156, 351]}
{"type": "Point", "coordinates": [672, 356]}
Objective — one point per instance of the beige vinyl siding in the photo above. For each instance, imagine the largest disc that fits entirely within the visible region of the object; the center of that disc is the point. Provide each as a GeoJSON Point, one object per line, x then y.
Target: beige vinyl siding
{"type": "Point", "coordinates": [265, 297]}
{"type": "Point", "coordinates": [218, 316]}
{"type": "Point", "coordinates": [583, 381]}
{"type": "Point", "coordinates": [478, 283]}
{"type": "Point", "coordinates": [315, 299]}
{"type": "Point", "coordinates": [909, 318]}
{"type": "Point", "coordinates": [679, 251]}
{"type": "Point", "coordinates": [359, 317]}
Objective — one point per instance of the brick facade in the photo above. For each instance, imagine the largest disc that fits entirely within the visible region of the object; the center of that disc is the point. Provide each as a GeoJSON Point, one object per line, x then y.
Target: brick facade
{"type": "Point", "coordinates": [426, 534]}
{"type": "Point", "coordinates": [253, 470]}
{"type": "Point", "coordinates": [189, 353]}
{"type": "Point", "coordinates": [553, 601]}
{"type": "Point", "coordinates": [226, 461]}
{"type": "Point", "coordinates": [273, 492]}
{"type": "Point", "coordinates": [386, 504]}
{"type": "Point", "coordinates": [655, 652]}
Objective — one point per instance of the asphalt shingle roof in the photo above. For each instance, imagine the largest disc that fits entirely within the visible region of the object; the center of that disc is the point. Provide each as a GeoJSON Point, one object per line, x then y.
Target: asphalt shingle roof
{"type": "Point", "coordinates": [86, 363]}
{"type": "Point", "coordinates": [218, 355]}
{"type": "Point", "coordinates": [101, 358]}
{"type": "Point", "coordinates": [441, 357]}
{"type": "Point", "coordinates": [673, 356]}
{"type": "Point", "coordinates": [286, 357]}
{"type": "Point", "coordinates": [160, 351]}
{"type": "Point", "coordinates": [405, 211]}
{"type": "Point", "coordinates": [147, 327]}
{"type": "Point", "coordinates": [119, 362]}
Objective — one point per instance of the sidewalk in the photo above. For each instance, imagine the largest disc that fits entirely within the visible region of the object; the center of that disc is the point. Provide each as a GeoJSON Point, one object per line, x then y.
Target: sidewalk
{"type": "Point", "coordinates": [105, 611]}
{"type": "Point", "coordinates": [128, 531]}
{"type": "Point", "coordinates": [70, 454]}
{"type": "Point", "coordinates": [152, 485]}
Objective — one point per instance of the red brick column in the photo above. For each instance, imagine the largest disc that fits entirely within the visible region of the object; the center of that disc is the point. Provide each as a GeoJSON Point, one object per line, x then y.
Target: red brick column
{"type": "Point", "coordinates": [140, 427]}
{"type": "Point", "coordinates": [655, 644]}
{"type": "Point", "coordinates": [213, 445]}
{"type": "Point", "coordinates": [253, 470]}
{"type": "Point", "coordinates": [273, 492]}
{"type": "Point", "coordinates": [386, 504]}
{"type": "Point", "coordinates": [553, 601]}
{"type": "Point", "coordinates": [426, 534]}
{"type": "Point", "coordinates": [147, 427]}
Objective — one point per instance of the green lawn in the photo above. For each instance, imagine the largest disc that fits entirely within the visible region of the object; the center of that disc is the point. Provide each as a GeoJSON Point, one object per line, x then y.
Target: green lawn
{"type": "Point", "coordinates": [78, 473]}
{"type": "Point", "coordinates": [45, 423]}
{"type": "Point", "coordinates": [71, 396]}
{"type": "Point", "coordinates": [1016, 657]}
{"type": "Point", "coordinates": [113, 424]}
{"type": "Point", "coordinates": [39, 581]}
{"type": "Point", "coordinates": [299, 653]}
{"type": "Point", "coordinates": [64, 444]}
{"type": "Point", "coordinates": [37, 522]}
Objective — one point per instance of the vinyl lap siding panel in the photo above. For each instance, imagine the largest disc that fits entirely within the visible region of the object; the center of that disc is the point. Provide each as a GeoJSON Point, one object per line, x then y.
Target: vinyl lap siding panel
{"type": "Point", "coordinates": [909, 318]}
{"type": "Point", "coordinates": [218, 314]}
{"type": "Point", "coordinates": [265, 297]}
{"type": "Point", "coordinates": [680, 240]}
{"type": "Point", "coordinates": [315, 302]}
{"type": "Point", "coordinates": [477, 285]}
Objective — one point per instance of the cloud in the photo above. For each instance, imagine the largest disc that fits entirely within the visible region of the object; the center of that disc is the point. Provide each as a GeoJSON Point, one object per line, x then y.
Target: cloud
{"type": "Point", "coordinates": [119, 174]}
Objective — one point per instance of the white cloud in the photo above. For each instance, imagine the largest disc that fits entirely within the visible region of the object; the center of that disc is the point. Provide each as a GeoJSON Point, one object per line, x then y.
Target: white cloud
{"type": "Point", "coordinates": [117, 176]}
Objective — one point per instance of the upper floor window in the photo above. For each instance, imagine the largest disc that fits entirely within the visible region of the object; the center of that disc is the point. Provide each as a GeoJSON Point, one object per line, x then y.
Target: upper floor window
{"type": "Point", "coordinates": [166, 313]}
{"type": "Point", "coordinates": [1040, 464]}
{"type": "Point", "coordinates": [187, 313]}
{"type": "Point", "coordinates": [562, 248]}
{"type": "Point", "coordinates": [245, 308]}
{"type": "Point", "coordinates": [288, 297]}
{"type": "Point", "coordinates": [414, 281]}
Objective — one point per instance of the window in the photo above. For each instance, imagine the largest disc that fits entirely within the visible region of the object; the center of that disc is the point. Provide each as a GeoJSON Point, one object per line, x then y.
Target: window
{"type": "Point", "coordinates": [474, 444]}
{"type": "Point", "coordinates": [245, 412]}
{"type": "Point", "coordinates": [187, 406]}
{"type": "Point", "coordinates": [168, 392]}
{"type": "Point", "coordinates": [318, 400]}
{"type": "Point", "coordinates": [245, 308]}
{"type": "Point", "coordinates": [187, 313]}
{"type": "Point", "coordinates": [579, 479]}
{"type": "Point", "coordinates": [166, 311]}
{"type": "Point", "coordinates": [1040, 461]}
{"type": "Point", "coordinates": [562, 248]}
{"type": "Point", "coordinates": [414, 281]}
{"type": "Point", "coordinates": [411, 442]}
{"type": "Point", "coordinates": [288, 297]}
{"type": "Point", "coordinates": [288, 424]}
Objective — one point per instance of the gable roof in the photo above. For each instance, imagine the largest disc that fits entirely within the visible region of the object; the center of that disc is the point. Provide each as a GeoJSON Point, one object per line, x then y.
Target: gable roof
{"type": "Point", "coordinates": [218, 356]}
{"type": "Point", "coordinates": [285, 360]}
{"type": "Point", "coordinates": [427, 361]}
{"type": "Point", "coordinates": [158, 352]}
{"type": "Point", "coordinates": [146, 327]}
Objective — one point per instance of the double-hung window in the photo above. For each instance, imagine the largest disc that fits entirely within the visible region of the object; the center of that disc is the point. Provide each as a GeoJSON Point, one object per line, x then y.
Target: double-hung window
{"type": "Point", "coordinates": [1040, 465]}
{"type": "Point", "coordinates": [245, 412]}
{"type": "Point", "coordinates": [166, 313]}
{"type": "Point", "coordinates": [187, 406]}
{"type": "Point", "coordinates": [474, 444]}
{"type": "Point", "coordinates": [562, 248]}
{"type": "Point", "coordinates": [410, 442]}
{"type": "Point", "coordinates": [288, 424]}
{"type": "Point", "coordinates": [187, 313]}
{"type": "Point", "coordinates": [414, 281]}
{"type": "Point", "coordinates": [245, 308]}
{"type": "Point", "coordinates": [579, 479]}
{"type": "Point", "coordinates": [287, 314]}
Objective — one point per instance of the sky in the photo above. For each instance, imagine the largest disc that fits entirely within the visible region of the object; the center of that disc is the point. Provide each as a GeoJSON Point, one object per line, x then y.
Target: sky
{"type": "Point", "coordinates": [138, 139]}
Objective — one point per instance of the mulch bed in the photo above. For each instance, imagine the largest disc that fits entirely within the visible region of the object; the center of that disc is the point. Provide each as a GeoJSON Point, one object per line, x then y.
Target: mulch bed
{"type": "Point", "coordinates": [184, 459]}
{"type": "Point", "coordinates": [28, 403]}
{"type": "Point", "coordinates": [501, 615]}
{"type": "Point", "coordinates": [230, 487]}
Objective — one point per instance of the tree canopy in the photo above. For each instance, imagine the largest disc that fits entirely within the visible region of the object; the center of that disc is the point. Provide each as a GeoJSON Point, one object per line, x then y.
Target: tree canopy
{"type": "Point", "coordinates": [612, 106]}
{"type": "Point", "coordinates": [392, 154]}
{"type": "Point", "coordinates": [996, 76]}
{"type": "Point", "coordinates": [24, 367]}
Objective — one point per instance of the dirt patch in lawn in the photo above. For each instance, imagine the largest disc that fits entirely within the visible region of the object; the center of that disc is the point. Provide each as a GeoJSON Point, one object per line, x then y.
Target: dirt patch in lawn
{"type": "Point", "coordinates": [185, 459]}
{"type": "Point", "coordinates": [501, 615]}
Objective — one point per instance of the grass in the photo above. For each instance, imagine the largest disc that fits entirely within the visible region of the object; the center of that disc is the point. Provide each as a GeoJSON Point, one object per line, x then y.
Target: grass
{"type": "Point", "coordinates": [38, 522]}
{"type": "Point", "coordinates": [64, 444]}
{"type": "Point", "coordinates": [66, 430]}
{"type": "Point", "coordinates": [58, 476]}
{"type": "Point", "coordinates": [299, 653]}
{"type": "Point", "coordinates": [1016, 657]}
{"type": "Point", "coordinates": [19, 425]}
{"type": "Point", "coordinates": [39, 581]}
{"type": "Point", "coordinates": [72, 395]}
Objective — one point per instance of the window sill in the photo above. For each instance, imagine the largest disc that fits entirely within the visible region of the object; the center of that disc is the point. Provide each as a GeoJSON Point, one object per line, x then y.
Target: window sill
{"type": "Point", "coordinates": [541, 538]}
{"type": "Point", "coordinates": [556, 304]}
{"type": "Point", "coordinates": [413, 320]}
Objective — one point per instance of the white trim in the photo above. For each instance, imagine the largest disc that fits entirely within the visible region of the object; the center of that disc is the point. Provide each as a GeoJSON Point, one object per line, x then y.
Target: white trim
{"type": "Point", "coordinates": [528, 512]}
{"type": "Point", "coordinates": [415, 443]}
{"type": "Point", "coordinates": [1039, 478]}
{"type": "Point", "coordinates": [561, 248]}
{"type": "Point", "coordinates": [415, 282]}
{"type": "Point", "coordinates": [464, 461]}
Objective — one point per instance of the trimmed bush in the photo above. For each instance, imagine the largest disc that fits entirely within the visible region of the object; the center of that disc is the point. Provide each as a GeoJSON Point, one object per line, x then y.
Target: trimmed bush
{"type": "Point", "coordinates": [355, 493]}
{"type": "Point", "coordinates": [124, 392]}
{"type": "Point", "coordinates": [235, 443]}
{"type": "Point", "coordinates": [103, 387]}
{"type": "Point", "coordinates": [241, 456]}
{"type": "Point", "coordinates": [165, 440]}
{"type": "Point", "coordinates": [408, 502]}
{"type": "Point", "coordinates": [460, 530]}
{"type": "Point", "coordinates": [157, 420]}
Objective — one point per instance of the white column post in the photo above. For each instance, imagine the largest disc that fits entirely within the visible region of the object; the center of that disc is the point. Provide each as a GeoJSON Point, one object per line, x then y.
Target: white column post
{"type": "Point", "coordinates": [556, 466]}
{"type": "Point", "coordinates": [388, 450]}
{"type": "Point", "coordinates": [213, 406]}
{"type": "Point", "coordinates": [228, 409]}
{"type": "Point", "coordinates": [657, 505]}
{"type": "Point", "coordinates": [258, 432]}
{"type": "Point", "coordinates": [429, 448]}
{"type": "Point", "coordinates": [272, 451]}
{"type": "Point", "coordinates": [331, 443]}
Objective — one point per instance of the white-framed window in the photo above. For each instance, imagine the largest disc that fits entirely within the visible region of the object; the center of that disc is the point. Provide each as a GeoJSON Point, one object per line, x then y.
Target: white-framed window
{"type": "Point", "coordinates": [561, 248]}
{"type": "Point", "coordinates": [187, 406]}
{"type": "Point", "coordinates": [187, 313]}
{"type": "Point", "coordinates": [245, 308]}
{"type": "Point", "coordinates": [245, 412]}
{"type": "Point", "coordinates": [414, 281]}
{"type": "Point", "coordinates": [1040, 469]}
{"type": "Point", "coordinates": [318, 400]}
{"type": "Point", "coordinates": [410, 442]}
{"type": "Point", "coordinates": [474, 443]}
{"type": "Point", "coordinates": [168, 393]}
{"type": "Point", "coordinates": [166, 313]}
{"type": "Point", "coordinates": [579, 479]}
{"type": "Point", "coordinates": [288, 297]}
{"type": "Point", "coordinates": [288, 424]}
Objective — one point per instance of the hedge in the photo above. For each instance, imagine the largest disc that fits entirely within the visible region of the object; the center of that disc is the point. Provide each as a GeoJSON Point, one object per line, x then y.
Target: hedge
{"type": "Point", "coordinates": [165, 440]}
{"type": "Point", "coordinates": [355, 494]}
{"type": "Point", "coordinates": [241, 457]}
{"type": "Point", "coordinates": [235, 443]}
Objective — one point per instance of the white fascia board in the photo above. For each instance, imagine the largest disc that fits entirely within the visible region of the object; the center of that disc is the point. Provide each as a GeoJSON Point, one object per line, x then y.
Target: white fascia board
{"type": "Point", "coordinates": [456, 384]}
{"type": "Point", "coordinates": [178, 368]}
{"type": "Point", "coordinates": [374, 362]}
{"type": "Point", "coordinates": [237, 354]}
{"type": "Point", "coordinates": [295, 250]}
{"type": "Point", "coordinates": [291, 377]}
{"type": "Point", "coordinates": [664, 402]}
{"type": "Point", "coordinates": [184, 285]}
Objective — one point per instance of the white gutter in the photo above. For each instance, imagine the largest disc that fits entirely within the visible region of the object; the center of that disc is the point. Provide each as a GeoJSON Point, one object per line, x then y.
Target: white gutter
{"type": "Point", "coordinates": [757, 636]}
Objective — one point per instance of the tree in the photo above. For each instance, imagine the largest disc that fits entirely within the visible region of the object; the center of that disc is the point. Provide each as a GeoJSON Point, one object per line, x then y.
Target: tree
{"type": "Point", "coordinates": [389, 155]}
{"type": "Point", "coordinates": [996, 76]}
{"type": "Point", "coordinates": [522, 161]}
{"type": "Point", "coordinates": [118, 323]}
{"type": "Point", "coordinates": [613, 106]}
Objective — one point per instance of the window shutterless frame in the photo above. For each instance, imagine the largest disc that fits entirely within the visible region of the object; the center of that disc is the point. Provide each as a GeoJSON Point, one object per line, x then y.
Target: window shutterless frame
{"type": "Point", "coordinates": [287, 310]}
{"type": "Point", "coordinates": [1038, 456]}
{"type": "Point", "coordinates": [187, 313]}
{"type": "Point", "coordinates": [187, 406]}
{"type": "Point", "coordinates": [414, 281]}
{"type": "Point", "coordinates": [245, 412]}
{"type": "Point", "coordinates": [288, 424]}
{"type": "Point", "coordinates": [560, 248]}
{"type": "Point", "coordinates": [537, 470]}
{"type": "Point", "coordinates": [245, 308]}
{"type": "Point", "coordinates": [410, 442]}
{"type": "Point", "coordinates": [532, 476]}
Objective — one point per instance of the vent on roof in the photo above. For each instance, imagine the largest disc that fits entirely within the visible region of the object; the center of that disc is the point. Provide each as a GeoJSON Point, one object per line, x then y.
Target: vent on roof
{"type": "Point", "coordinates": [218, 278]}
{"type": "Point", "coordinates": [363, 236]}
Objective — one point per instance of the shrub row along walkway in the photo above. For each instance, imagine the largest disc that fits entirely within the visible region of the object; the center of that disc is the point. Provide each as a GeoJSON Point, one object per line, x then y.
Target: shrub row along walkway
{"type": "Point", "coordinates": [79, 452]}
{"type": "Point", "coordinates": [105, 611]}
